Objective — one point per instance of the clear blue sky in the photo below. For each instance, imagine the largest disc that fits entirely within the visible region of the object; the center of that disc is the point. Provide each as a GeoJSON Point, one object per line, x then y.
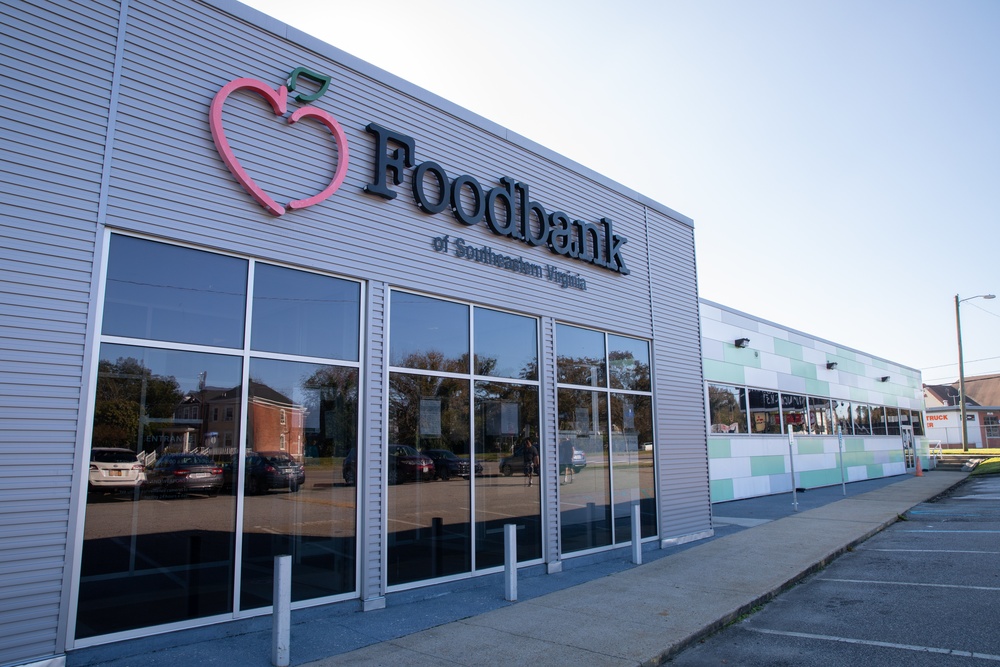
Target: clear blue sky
{"type": "Point", "coordinates": [840, 158]}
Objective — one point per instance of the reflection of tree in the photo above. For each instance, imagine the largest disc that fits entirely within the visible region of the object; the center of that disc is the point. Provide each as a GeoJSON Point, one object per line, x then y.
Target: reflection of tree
{"type": "Point", "coordinates": [585, 371]}
{"type": "Point", "coordinates": [127, 394]}
{"type": "Point", "coordinates": [445, 403]}
{"type": "Point", "coordinates": [334, 396]}
{"type": "Point", "coordinates": [627, 373]}
{"type": "Point", "coordinates": [497, 405]}
{"type": "Point", "coordinates": [724, 406]}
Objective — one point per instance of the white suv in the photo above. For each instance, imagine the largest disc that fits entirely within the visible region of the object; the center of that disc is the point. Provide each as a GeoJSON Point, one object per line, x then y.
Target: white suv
{"type": "Point", "coordinates": [112, 468]}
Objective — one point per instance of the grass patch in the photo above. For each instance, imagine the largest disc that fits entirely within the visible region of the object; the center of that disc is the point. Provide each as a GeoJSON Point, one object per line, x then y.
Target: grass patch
{"type": "Point", "coordinates": [988, 467]}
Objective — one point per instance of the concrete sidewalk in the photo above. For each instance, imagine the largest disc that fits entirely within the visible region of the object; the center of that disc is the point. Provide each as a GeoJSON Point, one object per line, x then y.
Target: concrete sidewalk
{"type": "Point", "coordinates": [645, 614]}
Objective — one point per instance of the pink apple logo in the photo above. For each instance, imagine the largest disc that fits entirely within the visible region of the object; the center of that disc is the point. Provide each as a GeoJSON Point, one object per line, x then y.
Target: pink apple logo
{"type": "Point", "coordinates": [278, 99]}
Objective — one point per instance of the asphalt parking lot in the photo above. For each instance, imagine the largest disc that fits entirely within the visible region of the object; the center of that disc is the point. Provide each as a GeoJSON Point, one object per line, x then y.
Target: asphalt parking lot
{"type": "Point", "coordinates": [923, 591]}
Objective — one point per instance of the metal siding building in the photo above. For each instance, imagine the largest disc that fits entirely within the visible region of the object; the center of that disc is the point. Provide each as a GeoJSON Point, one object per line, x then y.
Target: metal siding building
{"type": "Point", "coordinates": [107, 136]}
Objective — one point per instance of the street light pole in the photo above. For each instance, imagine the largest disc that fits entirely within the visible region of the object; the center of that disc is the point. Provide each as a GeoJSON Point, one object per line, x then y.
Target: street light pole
{"type": "Point", "coordinates": [961, 365]}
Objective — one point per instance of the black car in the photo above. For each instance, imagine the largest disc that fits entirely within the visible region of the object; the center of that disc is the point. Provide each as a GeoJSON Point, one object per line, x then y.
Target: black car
{"type": "Point", "coordinates": [515, 461]}
{"type": "Point", "coordinates": [405, 465]}
{"type": "Point", "coordinates": [448, 465]}
{"type": "Point", "coordinates": [268, 470]}
{"type": "Point", "coordinates": [184, 473]}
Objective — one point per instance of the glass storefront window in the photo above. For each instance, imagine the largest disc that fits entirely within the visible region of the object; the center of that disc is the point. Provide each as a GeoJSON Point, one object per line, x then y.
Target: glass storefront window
{"type": "Point", "coordinates": [765, 412]}
{"type": "Point", "coordinates": [430, 334]}
{"type": "Point", "coordinates": [164, 292]}
{"type": "Point", "coordinates": [429, 531]}
{"type": "Point", "coordinates": [794, 413]}
{"type": "Point", "coordinates": [862, 422]}
{"type": "Point", "coordinates": [821, 421]}
{"type": "Point", "coordinates": [176, 546]}
{"type": "Point", "coordinates": [585, 504]}
{"type": "Point", "coordinates": [506, 345]}
{"type": "Point", "coordinates": [506, 413]}
{"type": "Point", "coordinates": [305, 314]}
{"type": "Point", "coordinates": [878, 420]}
{"type": "Point", "coordinates": [892, 420]}
{"type": "Point", "coordinates": [628, 363]}
{"type": "Point", "coordinates": [727, 408]}
{"type": "Point", "coordinates": [844, 416]}
{"type": "Point", "coordinates": [634, 479]}
{"type": "Point", "coordinates": [918, 422]}
{"type": "Point", "coordinates": [580, 356]}
{"type": "Point", "coordinates": [301, 419]}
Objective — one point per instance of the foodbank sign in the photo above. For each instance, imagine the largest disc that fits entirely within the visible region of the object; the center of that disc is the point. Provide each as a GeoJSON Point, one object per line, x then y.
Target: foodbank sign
{"type": "Point", "coordinates": [506, 208]}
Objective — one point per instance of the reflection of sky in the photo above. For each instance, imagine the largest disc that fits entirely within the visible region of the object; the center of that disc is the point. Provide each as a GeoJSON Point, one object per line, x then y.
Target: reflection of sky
{"type": "Point", "coordinates": [510, 339]}
{"type": "Point", "coordinates": [186, 367]}
{"type": "Point", "coordinates": [577, 343]}
{"type": "Point", "coordinates": [420, 325]}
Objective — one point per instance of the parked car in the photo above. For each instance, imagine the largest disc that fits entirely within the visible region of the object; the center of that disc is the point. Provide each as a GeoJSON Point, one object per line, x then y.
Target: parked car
{"type": "Point", "coordinates": [447, 464]}
{"type": "Point", "coordinates": [265, 471]}
{"type": "Point", "coordinates": [116, 469]}
{"type": "Point", "coordinates": [514, 463]}
{"type": "Point", "coordinates": [185, 473]}
{"type": "Point", "coordinates": [406, 464]}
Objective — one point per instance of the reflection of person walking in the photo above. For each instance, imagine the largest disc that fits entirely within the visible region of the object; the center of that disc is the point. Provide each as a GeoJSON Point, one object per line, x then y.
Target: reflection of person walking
{"type": "Point", "coordinates": [530, 460]}
{"type": "Point", "coordinates": [566, 461]}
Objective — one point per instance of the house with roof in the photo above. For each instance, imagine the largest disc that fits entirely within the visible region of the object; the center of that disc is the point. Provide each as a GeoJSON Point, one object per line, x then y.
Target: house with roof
{"type": "Point", "coordinates": [943, 413]}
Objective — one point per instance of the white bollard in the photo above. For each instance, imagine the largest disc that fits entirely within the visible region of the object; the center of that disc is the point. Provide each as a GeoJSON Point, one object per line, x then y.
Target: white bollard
{"type": "Point", "coordinates": [282, 615]}
{"type": "Point", "coordinates": [510, 562]}
{"type": "Point", "coordinates": [636, 536]}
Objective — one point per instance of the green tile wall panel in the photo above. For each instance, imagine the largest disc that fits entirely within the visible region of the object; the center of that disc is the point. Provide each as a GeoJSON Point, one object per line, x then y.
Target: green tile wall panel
{"type": "Point", "coordinates": [803, 446]}
{"type": "Point", "coordinates": [819, 388]}
{"type": "Point", "coordinates": [767, 465]}
{"type": "Point", "coordinates": [784, 348]}
{"type": "Point", "coordinates": [741, 356]}
{"type": "Point", "coordinates": [875, 471]}
{"type": "Point", "coordinates": [721, 490]}
{"type": "Point", "coordinates": [803, 369]}
{"type": "Point", "coordinates": [813, 478]}
{"type": "Point", "coordinates": [859, 395]}
{"type": "Point", "coordinates": [719, 448]}
{"type": "Point", "coordinates": [720, 371]}
{"type": "Point", "coordinates": [854, 445]}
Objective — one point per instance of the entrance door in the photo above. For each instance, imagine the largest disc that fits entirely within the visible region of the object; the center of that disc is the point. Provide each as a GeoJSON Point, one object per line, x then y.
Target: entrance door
{"type": "Point", "coordinates": [909, 450]}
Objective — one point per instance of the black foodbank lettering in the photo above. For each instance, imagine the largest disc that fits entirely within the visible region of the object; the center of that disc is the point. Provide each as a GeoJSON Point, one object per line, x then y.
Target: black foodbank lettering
{"type": "Point", "coordinates": [507, 208]}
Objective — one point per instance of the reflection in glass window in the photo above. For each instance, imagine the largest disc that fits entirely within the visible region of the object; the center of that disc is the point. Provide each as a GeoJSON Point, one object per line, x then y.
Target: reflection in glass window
{"type": "Point", "coordinates": [164, 292]}
{"type": "Point", "coordinates": [585, 504]}
{"type": "Point", "coordinates": [302, 419]}
{"type": "Point", "coordinates": [628, 363]}
{"type": "Point", "coordinates": [862, 422]}
{"type": "Point", "coordinates": [580, 356]}
{"type": "Point", "coordinates": [428, 334]}
{"type": "Point", "coordinates": [765, 412]}
{"type": "Point", "coordinates": [892, 420]}
{"type": "Point", "coordinates": [878, 420]}
{"type": "Point", "coordinates": [506, 413]}
{"type": "Point", "coordinates": [429, 530]}
{"type": "Point", "coordinates": [794, 413]}
{"type": "Point", "coordinates": [845, 417]}
{"type": "Point", "coordinates": [918, 422]}
{"type": "Point", "coordinates": [727, 408]}
{"type": "Point", "coordinates": [506, 345]}
{"type": "Point", "coordinates": [821, 421]}
{"type": "Point", "coordinates": [306, 314]}
{"type": "Point", "coordinates": [176, 546]}
{"type": "Point", "coordinates": [634, 479]}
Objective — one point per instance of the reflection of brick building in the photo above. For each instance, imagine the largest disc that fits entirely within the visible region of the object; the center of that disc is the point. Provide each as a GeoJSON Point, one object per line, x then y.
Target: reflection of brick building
{"type": "Point", "coordinates": [275, 423]}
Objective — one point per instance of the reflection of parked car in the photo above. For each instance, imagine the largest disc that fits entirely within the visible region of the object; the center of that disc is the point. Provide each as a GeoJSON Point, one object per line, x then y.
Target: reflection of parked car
{"type": "Point", "coordinates": [184, 473]}
{"type": "Point", "coordinates": [267, 470]}
{"type": "Point", "coordinates": [113, 468]}
{"type": "Point", "coordinates": [448, 465]}
{"type": "Point", "coordinates": [515, 461]}
{"type": "Point", "coordinates": [405, 465]}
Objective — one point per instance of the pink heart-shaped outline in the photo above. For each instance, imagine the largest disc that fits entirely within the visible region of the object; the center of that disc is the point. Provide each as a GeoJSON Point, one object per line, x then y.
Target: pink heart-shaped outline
{"type": "Point", "coordinates": [279, 102]}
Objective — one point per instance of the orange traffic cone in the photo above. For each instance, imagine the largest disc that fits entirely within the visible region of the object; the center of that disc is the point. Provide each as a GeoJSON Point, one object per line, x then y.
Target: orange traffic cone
{"type": "Point", "coordinates": [919, 473]}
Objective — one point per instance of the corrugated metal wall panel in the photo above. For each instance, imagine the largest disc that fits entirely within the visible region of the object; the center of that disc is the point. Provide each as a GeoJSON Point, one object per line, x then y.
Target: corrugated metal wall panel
{"type": "Point", "coordinates": [550, 433]}
{"type": "Point", "coordinates": [372, 437]}
{"type": "Point", "coordinates": [682, 447]}
{"type": "Point", "coordinates": [50, 186]}
{"type": "Point", "coordinates": [173, 183]}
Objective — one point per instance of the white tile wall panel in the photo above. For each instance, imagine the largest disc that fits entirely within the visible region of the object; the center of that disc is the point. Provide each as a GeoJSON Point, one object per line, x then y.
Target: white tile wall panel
{"type": "Point", "coordinates": [759, 377]}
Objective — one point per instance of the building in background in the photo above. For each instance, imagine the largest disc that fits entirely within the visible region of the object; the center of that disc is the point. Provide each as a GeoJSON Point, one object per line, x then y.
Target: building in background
{"type": "Point", "coordinates": [982, 412]}
{"type": "Point", "coordinates": [852, 416]}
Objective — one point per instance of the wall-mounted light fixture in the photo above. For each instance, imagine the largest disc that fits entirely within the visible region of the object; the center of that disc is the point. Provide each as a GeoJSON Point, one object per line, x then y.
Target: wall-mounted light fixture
{"type": "Point", "coordinates": [884, 378]}
{"type": "Point", "coordinates": [742, 342]}
{"type": "Point", "coordinates": [831, 365]}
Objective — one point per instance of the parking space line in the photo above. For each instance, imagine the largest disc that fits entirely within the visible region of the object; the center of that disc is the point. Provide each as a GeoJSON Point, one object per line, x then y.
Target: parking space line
{"type": "Point", "coordinates": [933, 551]}
{"type": "Point", "coordinates": [868, 642]}
{"type": "Point", "coordinates": [911, 583]}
